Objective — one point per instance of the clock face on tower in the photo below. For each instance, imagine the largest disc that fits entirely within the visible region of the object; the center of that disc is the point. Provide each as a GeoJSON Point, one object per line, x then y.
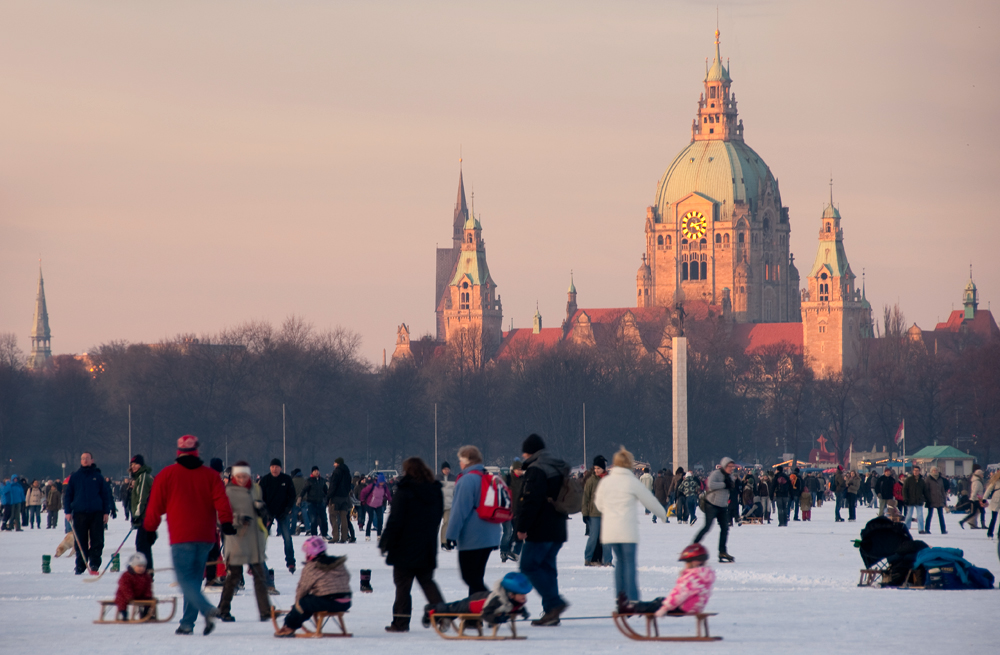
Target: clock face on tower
{"type": "Point", "coordinates": [694, 225]}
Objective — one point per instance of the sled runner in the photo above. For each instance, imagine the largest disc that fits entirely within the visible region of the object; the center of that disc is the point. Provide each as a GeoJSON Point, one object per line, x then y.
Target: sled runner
{"type": "Point", "coordinates": [872, 577]}
{"type": "Point", "coordinates": [753, 520]}
{"type": "Point", "coordinates": [472, 622]}
{"type": "Point", "coordinates": [318, 620]}
{"type": "Point", "coordinates": [135, 611]}
{"type": "Point", "coordinates": [653, 630]}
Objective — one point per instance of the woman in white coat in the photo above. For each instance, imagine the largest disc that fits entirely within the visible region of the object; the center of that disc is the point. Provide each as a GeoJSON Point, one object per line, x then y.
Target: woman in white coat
{"type": "Point", "coordinates": [616, 498]}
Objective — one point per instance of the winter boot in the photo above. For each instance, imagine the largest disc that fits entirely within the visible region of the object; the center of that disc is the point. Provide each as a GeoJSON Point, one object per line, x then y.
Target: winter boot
{"type": "Point", "coordinates": [366, 581]}
{"type": "Point", "coordinates": [271, 589]}
{"type": "Point", "coordinates": [726, 557]}
{"type": "Point", "coordinates": [625, 606]}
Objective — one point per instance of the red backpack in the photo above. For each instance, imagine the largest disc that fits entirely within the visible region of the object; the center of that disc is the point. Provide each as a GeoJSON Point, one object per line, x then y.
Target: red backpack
{"type": "Point", "coordinates": [494, 499]}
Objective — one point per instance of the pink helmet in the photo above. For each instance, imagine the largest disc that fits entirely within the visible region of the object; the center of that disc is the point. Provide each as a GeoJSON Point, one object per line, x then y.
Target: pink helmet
{"type": "Point", "coordinates": [313, 547]}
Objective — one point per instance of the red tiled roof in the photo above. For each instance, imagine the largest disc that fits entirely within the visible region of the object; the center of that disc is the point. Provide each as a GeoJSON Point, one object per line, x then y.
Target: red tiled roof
{"type": "Point", "coordinates": [525, 341]}
{"type": "Point", "coordinates": [753, 336]}
{"type": "Point", "coordinates": [982, 324]}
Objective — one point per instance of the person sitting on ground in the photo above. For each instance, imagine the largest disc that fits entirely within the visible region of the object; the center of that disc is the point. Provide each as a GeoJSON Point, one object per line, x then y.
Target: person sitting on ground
{"type": "Point", "coordinates": [694, 584]}
{"type": "Point", "coordinates": [134, 584]}
{"type": "Point", "coordinates": [506, 601]}
{"type": "Point", "coordinates": [324, 586]}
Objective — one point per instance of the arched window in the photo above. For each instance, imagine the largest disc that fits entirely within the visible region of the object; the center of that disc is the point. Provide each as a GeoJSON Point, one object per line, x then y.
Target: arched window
{"type": "Point", "coordinates": [669, 240]}
{"type": "Point", "coordinates": [711, 92]}
{"type": "Point", "coordinates": [704, 270]}
{"type": "Point", "coordinates": [725, 239]}
{"type": "Point", "coordinates": [684, 242]}
{"type": "Point", "coordinates": [704, 243]}
{"type": "Point", "coordinates": [827, 227]}
{"type": "Point", "coordinates": [469, 238]}
{"type": "Point", "coordinates": [464, 300]}
{"type": "Point", "coordinates": [741, 237]}
{"type": "Point", "coordinates": [684, 270]}
{"type": "Point", "coordinates": [694, 270]}
{"type": "Point", "coordinates": [659, 240]}
{"type": "Point", "coordinates": [718, 238]}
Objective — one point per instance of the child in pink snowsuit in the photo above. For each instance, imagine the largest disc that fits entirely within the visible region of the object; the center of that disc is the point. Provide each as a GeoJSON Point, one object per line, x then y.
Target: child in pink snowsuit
{"type": "Point", "coordinates": [694, 585]}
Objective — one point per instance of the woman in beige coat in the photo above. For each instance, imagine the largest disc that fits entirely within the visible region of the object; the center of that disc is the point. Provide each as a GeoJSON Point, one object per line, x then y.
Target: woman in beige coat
{"type": "Point", "coordinates": [249, 544]}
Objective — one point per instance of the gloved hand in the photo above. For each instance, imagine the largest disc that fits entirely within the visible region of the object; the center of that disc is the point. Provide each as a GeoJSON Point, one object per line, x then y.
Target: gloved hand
{"type": "Point", "coordinates": [151, 537]}
{"type": "Point", "coordinates": [228, 529]}
{"type": "Point", "coordinates": [450, 544]}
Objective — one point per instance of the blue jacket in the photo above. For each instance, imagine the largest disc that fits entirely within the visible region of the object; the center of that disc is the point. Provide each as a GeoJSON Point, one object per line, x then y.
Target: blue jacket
{"type": "Point", "coordinates": [13, 492]}
{"type": "Point", "coordinates": [87, 491]}
{"type": "Point", "coordinates": [464, 524]}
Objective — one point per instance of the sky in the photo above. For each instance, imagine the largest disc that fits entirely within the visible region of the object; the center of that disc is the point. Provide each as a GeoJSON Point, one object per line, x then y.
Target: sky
{"type": "Point", "coordinates": [184, 167]}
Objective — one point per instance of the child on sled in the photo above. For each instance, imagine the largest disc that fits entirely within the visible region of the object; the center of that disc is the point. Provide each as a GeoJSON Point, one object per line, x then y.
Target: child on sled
{"type": "Point", "coordinates": [135, 584]}
{"type": "Point", "coordinates": [694, 585]}
{"type": "Point", "coordinates": [324, 586]}
{"type": "Point", "coordinates": [507, 600]}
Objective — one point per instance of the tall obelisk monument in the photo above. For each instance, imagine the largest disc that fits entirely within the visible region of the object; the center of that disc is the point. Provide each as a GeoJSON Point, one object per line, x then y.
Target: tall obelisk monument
{"type": "Point", "coordinates": [680, 382]}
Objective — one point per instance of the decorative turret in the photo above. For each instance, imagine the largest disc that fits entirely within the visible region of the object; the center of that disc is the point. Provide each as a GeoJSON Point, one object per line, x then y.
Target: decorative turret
{"type": "Point", "coordinates": [474, 309]}
{"type": "Point", "coordinates": [717, 116]}
{"type": "Point", "coordinates": [570, 298]}
{"type": "Point", "coordinates": [970, 298]}
{"type": "Point", "coordinates": [41, 336]}
{"type": "Point", "coordinates": [643, 284]}
{"type": "Point", "coordinates": [537, 323]}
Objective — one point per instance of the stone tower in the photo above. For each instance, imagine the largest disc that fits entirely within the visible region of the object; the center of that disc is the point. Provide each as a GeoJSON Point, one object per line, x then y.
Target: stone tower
{"type": "Point", "coordinates": [447, 258]}
{"type": "Point", "coordinates": [473, 314]}
{"type": "Point", "coordinates": [718, 207]}
{"type": "Point", "coordinates": [835, 315]}
{"type": "Point", "coordinates": [41, 336]}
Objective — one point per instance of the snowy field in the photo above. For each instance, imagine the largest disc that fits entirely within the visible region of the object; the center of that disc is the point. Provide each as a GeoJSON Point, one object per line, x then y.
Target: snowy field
{"type": "Point", "coordinates": [790, 588]}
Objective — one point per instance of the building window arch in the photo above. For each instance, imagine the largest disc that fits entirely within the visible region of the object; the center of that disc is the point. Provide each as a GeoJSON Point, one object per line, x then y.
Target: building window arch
{"type": "Point", "coordinates": [684, 242]}
{"type": "Point", "coordinates": [468, 239]}
{"type": "Point", "coordinates": [718, 238]}
{"type": "Point", "coordinates": [703, 243]}
{"type": "Point", "coordinates": [725, 239]}
{"type": "Point", "coordinates": [659, 240]}
{"type": "Point", "coordinates": [827, 227]}
{"type": "Point", "coordinates": [669, 240]}
{"type": "Point", "coordinates": [704, 270]}
{"type": "Point", "coordinates": [684, 270]}
{"type": "Point", "coordinates": [741, 237]}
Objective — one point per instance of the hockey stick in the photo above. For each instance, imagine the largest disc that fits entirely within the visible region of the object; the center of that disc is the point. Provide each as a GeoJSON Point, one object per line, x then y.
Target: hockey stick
{"type": "Point", "coordinates": [79, 548]}
{"type": "Point", "coordinates": [112, 558]}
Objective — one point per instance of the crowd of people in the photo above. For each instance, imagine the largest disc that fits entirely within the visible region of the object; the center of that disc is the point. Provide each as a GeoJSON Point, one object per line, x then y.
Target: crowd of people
{"type": "Point", "coordinates": [219, 520]}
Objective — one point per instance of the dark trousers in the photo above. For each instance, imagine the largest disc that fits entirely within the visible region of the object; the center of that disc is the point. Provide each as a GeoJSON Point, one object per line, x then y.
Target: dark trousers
{"type": "Point", "coordinates": [852, 501]}
{"type": "Point", "coordinates": [940, 513]}
{"type": "Point", "coordinates": [472, 564]}
{"type": "Point", "coordinates": [214, 555]}
{"type": "Point", "coordinates": [89, 527]}
{"type": "Point", "coordinates": [310, 604]}
{"type": "Point", "coordinates": [143, 546]}
{"type": "Point", "coordinates": [403, 578]}
{"type": "Point", "coordinates": [538, 562]}
{"type": "Point", "coordinates": [680, 507]}
{"type": "Point", "coordinates": [53, 519]}
{"type": "Point", "coordinates": [233, 579]}
{"type": "Point", "coordinates": [317, 519]}
{"type": "Point", "coordinates": [720, 514]}
{"type": "Point", "coordinates": [375, 515]}
{"type": "Point", "coordinates": [783, 503]}
{"type": "Point", "coordinates": [284, 530]}
{"type": "Point", "coordinates": [989, 530]}
{"type": "Point", "coordinates": [839, 496]}
{"type": "Point", "coordinates": [795, 504]}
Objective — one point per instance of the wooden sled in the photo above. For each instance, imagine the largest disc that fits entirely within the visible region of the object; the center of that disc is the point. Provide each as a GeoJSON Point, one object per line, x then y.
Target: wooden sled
{"type": "Point", "coordinates": [318, 620]}
{"type": "Point", "coordinates": [653, 630]}
{"type": "Point", "coordinates": [135, 611]}
{"type": "Point", "coordinates": [872, 577]}
{"type": "Point", "coordinates": [753, 520]}
{"type": "Point", "coordinates": [473, 622]}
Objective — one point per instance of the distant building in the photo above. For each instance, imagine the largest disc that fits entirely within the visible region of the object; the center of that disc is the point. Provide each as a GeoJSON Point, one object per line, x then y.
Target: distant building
{"type": "Point", "coordinates": [717, 257]}
{"type": "Point", "coordinates": [967, 326]}
{"type": "Point", "coordinates": [949, 460]}
{"type": "Point", "coordinates": [41, 336]}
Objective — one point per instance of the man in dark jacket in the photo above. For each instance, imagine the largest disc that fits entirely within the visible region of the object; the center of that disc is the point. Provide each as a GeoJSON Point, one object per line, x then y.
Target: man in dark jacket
{"type": "Point", "coordinates": [410, 539]}
{"type": "Point", "coordinates": [839, 488]}
{"type": "Point", "coordinates": [915, 494]}
{"type": "Point", "coordinates": [883, 489]}
{"type": "Point", "coordinates": [278, 492]}
{"type": "Point", "coordinates": [782, 492]}
{"type": "Point", "coordinates": [541, 527]}
{"type": "Point", "coordinates": [314, 495]}
{"type": "Point", "coordinates": [142, 485]}
{"type": "Point", "coordinates": [88, 507]}
{"type": "Point", "coordinates": [339, 501]}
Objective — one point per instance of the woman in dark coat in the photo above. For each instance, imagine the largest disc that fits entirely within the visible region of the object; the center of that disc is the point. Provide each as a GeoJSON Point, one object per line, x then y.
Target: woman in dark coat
{"type": "Point", "coordinates": [410, 539]}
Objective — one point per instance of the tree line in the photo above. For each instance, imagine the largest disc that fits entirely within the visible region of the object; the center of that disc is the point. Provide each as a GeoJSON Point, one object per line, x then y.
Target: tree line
{"type": "Point", "coordinates": [230, 388]}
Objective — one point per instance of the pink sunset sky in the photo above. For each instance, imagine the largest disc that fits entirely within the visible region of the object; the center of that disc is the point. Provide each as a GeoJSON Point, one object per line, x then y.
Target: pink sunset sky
{"type": "Point", "coordinates": [182, 167]}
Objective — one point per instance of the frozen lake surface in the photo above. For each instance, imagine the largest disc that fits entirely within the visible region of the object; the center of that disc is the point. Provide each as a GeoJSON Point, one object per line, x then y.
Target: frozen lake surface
{"type": "Point", "coordinates": [790, 589]}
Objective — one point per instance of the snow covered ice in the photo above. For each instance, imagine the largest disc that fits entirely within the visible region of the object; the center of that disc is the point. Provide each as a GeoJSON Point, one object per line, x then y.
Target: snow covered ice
{"type": "Point", "coordinates": [790, 588]}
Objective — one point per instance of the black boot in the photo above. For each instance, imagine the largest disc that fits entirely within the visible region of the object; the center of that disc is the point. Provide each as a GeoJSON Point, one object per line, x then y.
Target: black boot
{"type": "Point", "coordinates": [366, 582]}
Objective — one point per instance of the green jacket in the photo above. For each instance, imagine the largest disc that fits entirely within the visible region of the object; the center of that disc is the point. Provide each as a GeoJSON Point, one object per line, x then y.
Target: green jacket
{"type": "Point", "coordinates": [914, 490]}
{"type": "Point", "coordinates": [142, 483]}
{"type": "Point", "coordinates": [589, 489]}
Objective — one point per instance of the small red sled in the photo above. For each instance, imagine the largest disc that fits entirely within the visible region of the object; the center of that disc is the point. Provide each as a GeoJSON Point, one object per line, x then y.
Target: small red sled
{"type": "Point", "coordinates": [653, 629]}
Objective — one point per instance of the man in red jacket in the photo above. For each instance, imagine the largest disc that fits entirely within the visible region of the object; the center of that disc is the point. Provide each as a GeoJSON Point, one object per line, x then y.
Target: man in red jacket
{"type": "Point", "coordinates": [192, 496]}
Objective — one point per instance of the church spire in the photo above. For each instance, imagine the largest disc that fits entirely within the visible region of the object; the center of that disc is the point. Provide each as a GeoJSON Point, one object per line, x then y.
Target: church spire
{"type": "Point", "coordinates": [970, 298]}
{"type": "Point", "coordinates": [41, 347]}
{"type": "Point", "coordinates": [461, 209]}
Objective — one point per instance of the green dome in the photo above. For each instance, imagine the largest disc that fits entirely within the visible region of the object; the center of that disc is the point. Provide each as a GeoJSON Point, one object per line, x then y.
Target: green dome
{"type": "Point", "coordinates": [724, 171]}
{"type": "Point", "coordinates": [831, 212]}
